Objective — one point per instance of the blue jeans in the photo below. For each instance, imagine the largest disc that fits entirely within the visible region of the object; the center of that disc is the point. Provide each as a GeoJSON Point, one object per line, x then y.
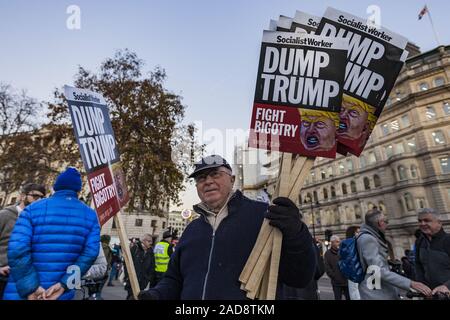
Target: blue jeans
{"type": "Point", "coordinates": [113, 273]}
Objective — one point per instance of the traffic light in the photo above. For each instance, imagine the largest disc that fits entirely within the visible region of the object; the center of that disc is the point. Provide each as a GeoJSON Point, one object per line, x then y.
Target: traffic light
{"type": "Point", "coordinates": [328, 234]}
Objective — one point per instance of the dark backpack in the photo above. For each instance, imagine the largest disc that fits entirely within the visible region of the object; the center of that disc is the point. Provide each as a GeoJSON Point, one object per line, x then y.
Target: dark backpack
{"type": "Point", "coordinates": [349, 262]}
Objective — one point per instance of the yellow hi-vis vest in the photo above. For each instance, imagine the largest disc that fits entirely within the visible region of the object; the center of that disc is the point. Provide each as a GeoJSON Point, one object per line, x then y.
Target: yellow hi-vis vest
{"type": "Point", "coordinates": [162, 257]}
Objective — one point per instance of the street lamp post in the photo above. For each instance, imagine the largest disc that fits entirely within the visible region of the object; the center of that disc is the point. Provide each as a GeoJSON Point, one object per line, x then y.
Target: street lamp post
{"type": "Point", "coordinates": [313, 219]}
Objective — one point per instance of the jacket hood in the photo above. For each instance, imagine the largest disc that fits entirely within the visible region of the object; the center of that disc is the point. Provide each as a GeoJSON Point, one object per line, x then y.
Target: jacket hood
{"type": "Point", "coordinates": [375, 233]}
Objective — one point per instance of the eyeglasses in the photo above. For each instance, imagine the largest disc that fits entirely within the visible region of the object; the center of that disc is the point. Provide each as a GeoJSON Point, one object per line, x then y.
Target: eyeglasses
{"type": "Point", "coordinates": [215, 174]}
{"type": "Point", "coordinates": [35, 196]}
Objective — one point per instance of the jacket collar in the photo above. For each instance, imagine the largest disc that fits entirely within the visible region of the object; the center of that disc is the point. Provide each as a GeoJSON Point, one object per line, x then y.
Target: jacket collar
{"type": "Point", "coordinates": [438, 235]}
{"type": "Point", "coordinates": [232, 204]}
{"type": "Point", "coordinates": [374, 232]}
{"type": "Point", "coordinates": [65, 193]}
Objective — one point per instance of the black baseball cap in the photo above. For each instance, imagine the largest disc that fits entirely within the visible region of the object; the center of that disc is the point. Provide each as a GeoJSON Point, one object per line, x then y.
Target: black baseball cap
{"type": "Point", "coordinates": [209, 162]}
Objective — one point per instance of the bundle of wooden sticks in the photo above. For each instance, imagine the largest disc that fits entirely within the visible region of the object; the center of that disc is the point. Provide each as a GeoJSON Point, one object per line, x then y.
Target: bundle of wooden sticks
{"type": "Point", "coordinates": [259, 277]}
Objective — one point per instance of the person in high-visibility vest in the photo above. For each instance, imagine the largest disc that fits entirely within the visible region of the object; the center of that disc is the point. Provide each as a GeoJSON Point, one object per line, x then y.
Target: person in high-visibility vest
{"type": "Point", "coordinates": [162, 251]}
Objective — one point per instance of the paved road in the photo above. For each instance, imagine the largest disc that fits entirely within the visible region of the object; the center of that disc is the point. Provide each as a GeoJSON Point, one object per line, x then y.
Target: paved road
{"type": "Point", "coordinates": [117, 292]}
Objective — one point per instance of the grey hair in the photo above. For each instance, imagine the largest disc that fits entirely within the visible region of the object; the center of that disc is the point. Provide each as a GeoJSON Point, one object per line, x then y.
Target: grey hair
{"type": "Point", "coordinates": [147, 235]}
{"type": "Point", "coordinates": [335, 238]}
{"type": "Point", "coordinates": [372, 217]}
{"type": "Point", "coordinates": [430, 211]}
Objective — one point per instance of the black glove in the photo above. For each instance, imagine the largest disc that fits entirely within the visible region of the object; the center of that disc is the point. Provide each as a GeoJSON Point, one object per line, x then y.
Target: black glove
{"type": "Point", "coordinates": [148, 295]}
{"type": "Point", "coordinates": [285, 216]}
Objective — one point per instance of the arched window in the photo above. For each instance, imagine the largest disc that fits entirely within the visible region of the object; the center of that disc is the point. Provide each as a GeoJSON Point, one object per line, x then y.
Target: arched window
{"type": "Point", "coordinates": [409, 203]}
{"type": "Point", "coordinates": [402, 175]}
{"type": "Point", "coordinates": [366, 183]}
{"type": "Point", "coordinates": [344, 188]}
{"type": "Point", "coordinates": [430, 113]}
{"type": "Point", "coordinates": [413, 171]}
{"type": "Point", "coordinates": [439, 81]}
{"type": "Point", "coordinates": [325, 193]}
{"type": "Point", "coordinates": [423, 86]}
{"type": "Point", "coordinates": [357, 212]}
{"type": "Point", "coordinates": [376, 181]}
{"type": "Point", "coordinates": [370, 205]}
{"type": "Point", "coordinates": [353, 186]}
{"type": "Point", "coordinates": [333, 192]}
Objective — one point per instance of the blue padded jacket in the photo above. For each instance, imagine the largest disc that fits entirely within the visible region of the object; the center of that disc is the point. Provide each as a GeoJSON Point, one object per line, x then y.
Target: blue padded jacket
{"type": "Point", "coordinates": [49, 236]}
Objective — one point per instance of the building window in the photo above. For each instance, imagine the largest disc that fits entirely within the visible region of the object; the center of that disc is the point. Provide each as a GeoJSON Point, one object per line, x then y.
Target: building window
{"type": "Point", "coordinates": [411, 144]}
{"type": "Point", "coordinates": [333, 192]}
{"type": "Point", "coordinates": [138, 223]}
{"type": "Point", "coordinates": [349, 165]}
{"type": "Point", "coordinates": [313, 176]}
{"type": "Point", "coordinates": [322, 174]}
{"type": "Point", "coordinates": [13, 200]}
{"type": "Point", "coordinates": [362, 161]}
{"type": "Point", "coordinates": [344, 188]}
{"type": "Point", "coordinates": [376, 181]}
{"type": "Point", "coordinates": [353, 186]}
{"type": "Point", "coordinates": [423, 86]}
{"type": "Point", "coordinates": [399, 148]}
{"type": "Point", "coordinates": [382, 207]}
{"type": "Point", "coordinates": [341, 168]}
{"type": "Point", "coordinates": [330, 172]}
{"type": "Point", "coordinates": [316, 199]}
{"type": "Point", "coordinates": [300, 199]}
{"type": "Point", "coordinates": [163, 225]}
{"type": "Point", "coordinates": [446, 107]}
{"type": "Point", "coordinates": [438, 138]}
{"type": "Point", "coordinates": [308, 198]}
{"type": "Point", "coordinates": [385, 129]}
{"type": "Point", "coordinates": [413, 171]}
{"type": "Point", "coordinates": [408, 201]}
{"type": "Point", "coordinates": [357, 212]}
{"type": "Point", "coordinates": [325, 193]}
{"type": "Point", "coordinates": [389, 151]}
{"type": "Point", "coordinates": [366, 183]}
{"type": "Point", "coordinates": [395, 126]}
{"type": "Point", "coordinates": [420, 203]}
{"type": "Point", "coordinates": [372, 157]}
{"type": "Point", "coordinates": [444, 165]}
{"type": "Point", "coordinates": [153, 224]}
{"type": "Point", "coordinates": [439, 82]}
{"type": "Point", "coordinates": [405, 121]}
{"type": "Point", "coordinates": [402, 175]}
{"type": "Point", "coordinates": [114, 225]}
{"type": "Point", "coordinates": [430, 113]}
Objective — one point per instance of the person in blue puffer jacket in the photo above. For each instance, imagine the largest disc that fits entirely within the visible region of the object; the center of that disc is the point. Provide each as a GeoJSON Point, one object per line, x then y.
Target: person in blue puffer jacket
{"type": "Point", "coordinates": [50, 236]}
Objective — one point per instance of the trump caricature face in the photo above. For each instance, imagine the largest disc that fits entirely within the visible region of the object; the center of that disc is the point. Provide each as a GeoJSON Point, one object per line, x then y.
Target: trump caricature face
{"type": "Point", "coordinates": [352, 121]}
{"type": "Point", "coordinates": [317, 133]}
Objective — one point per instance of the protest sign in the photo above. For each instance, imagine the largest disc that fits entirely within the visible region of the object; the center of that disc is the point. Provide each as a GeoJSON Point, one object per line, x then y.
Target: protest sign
{"type": "Point", "coordinates": [99, 152]}
{"type": "Point", "coordinates": [375, 58]}
{"type": "Point", "coordinates": [298, 93]}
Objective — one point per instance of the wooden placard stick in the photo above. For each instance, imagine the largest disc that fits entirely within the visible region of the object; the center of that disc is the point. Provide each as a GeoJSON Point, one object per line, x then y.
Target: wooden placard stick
{"type": "Point", "coordinates": [262, 294]}
{"type": "Point", "coordinates": [274, 264]}
{"type": "Point", "coordinates": [254, 282]}
{"type": "Point", "coordinates": [300, 178]}
{"type": "Point", "coordinates": [261, 240]}
{"type": "Point", "coordinates": [127, 254]}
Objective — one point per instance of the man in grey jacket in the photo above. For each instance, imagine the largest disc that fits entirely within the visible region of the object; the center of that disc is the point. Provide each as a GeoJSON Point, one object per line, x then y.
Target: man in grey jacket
{"type": "Point", "coordinates": [380, 283]}
{"type": "Point", "coordinates": [29, 193]}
